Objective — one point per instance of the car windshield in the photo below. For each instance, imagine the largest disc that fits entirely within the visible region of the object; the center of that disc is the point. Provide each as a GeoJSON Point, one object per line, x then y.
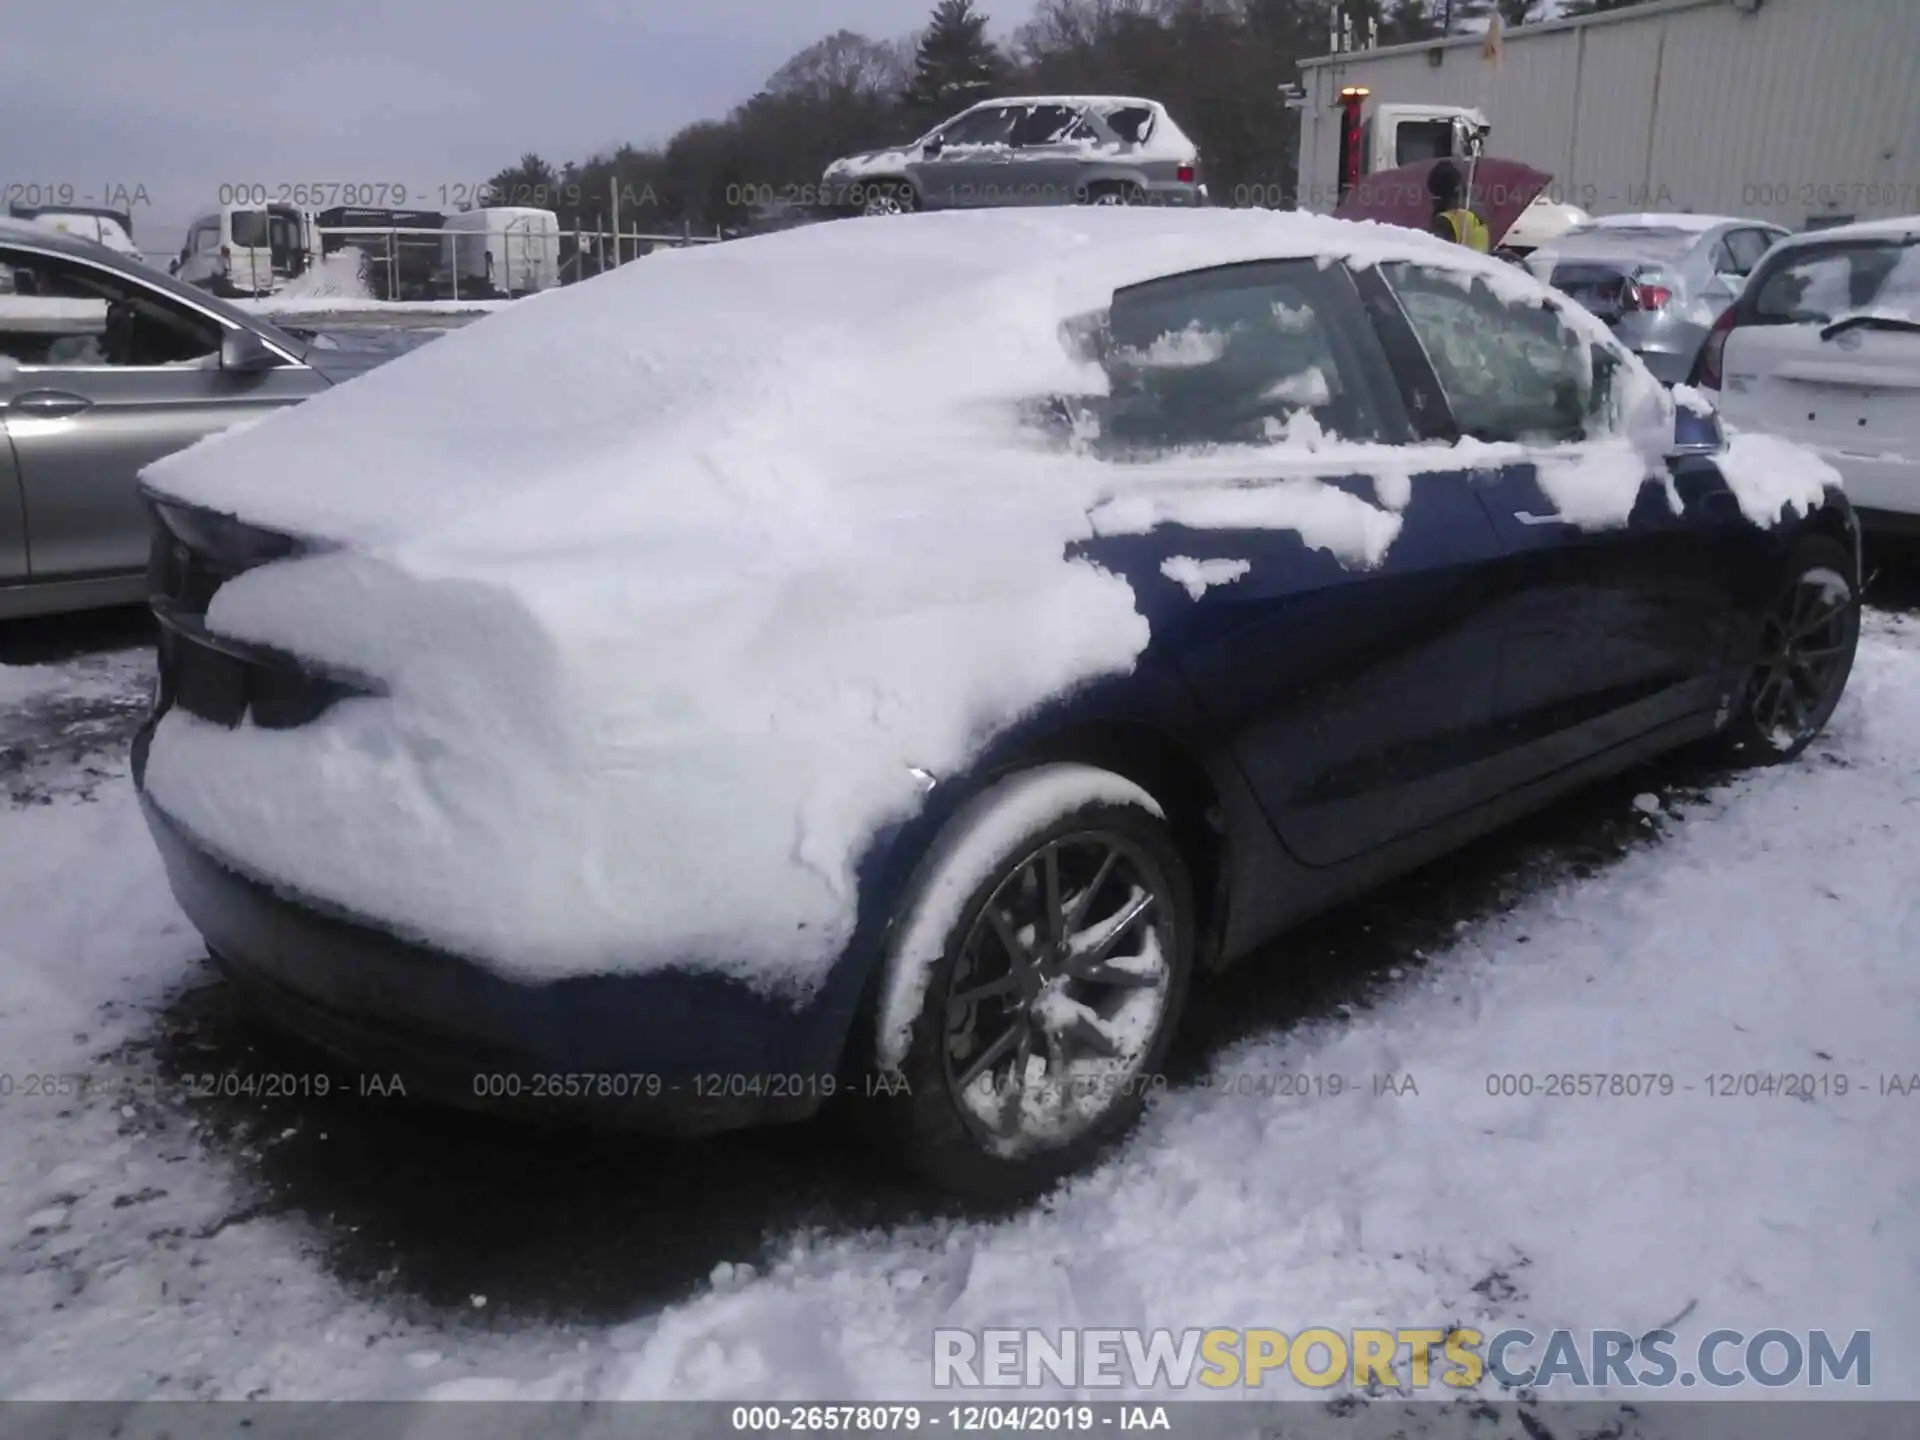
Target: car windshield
{"type": "Point", "coordinates": [1819, 283]}
{"type": "Point", "coordinates": [1622, 243]}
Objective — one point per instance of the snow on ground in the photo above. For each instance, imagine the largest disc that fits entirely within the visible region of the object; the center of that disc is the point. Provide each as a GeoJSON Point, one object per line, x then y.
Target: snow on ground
{"type": "Point", "coordinates": [339, 276]}
{"type": "Point", "coordinates": [275, 306]}
{"type": "Point", "coordinates": [1769, 925]}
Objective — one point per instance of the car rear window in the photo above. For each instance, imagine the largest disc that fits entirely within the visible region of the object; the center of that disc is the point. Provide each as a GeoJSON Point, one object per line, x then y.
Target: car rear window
{"type": "Point", "coordinates": [1618, 244]}
{"type": "Point", "coordinates": [1132, 123]}
{"type": "Point", "coordinates": [1816, 283]}
{"type": "Point", "coordinates": [250, 228]}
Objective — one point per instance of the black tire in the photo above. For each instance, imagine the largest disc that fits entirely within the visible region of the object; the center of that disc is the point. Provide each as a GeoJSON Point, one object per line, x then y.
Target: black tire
{"type": "Point", "coordinates": [1113, 192]}
{"type": "Point", "coordinates": [1802, 656]}
{"type": "Point", "coordinates": [886, 197]}
{"type": "Point", "coordinates": [995, 852]}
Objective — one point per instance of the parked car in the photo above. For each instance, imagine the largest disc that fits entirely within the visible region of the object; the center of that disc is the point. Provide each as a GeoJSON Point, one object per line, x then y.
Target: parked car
{"type": "Point", "coordinates": [249, 250]}
{"type": "Point", "coordinates": [1028, 150]}
{"type": "Point", "coordinates": [106, 365]}
{"type": "Point", "coordinates": [1659, 280]}
{"type": "Point", "coordinates": [105, 226]}
{"type": "Point", "coordinates": [758, 677]}
{"type": "Point", "coordinates": [1541, 223]}
{"type": "Point", "coordinates": [1824, 347]}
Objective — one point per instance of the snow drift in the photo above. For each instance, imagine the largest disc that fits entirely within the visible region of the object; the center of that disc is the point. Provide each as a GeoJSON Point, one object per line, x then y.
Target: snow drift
{"type": "Point", "coordinates": [675, 576]}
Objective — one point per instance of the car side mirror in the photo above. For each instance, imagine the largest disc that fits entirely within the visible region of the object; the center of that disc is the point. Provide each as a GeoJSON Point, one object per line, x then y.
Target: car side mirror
{"type": "Point", "coordinates": [933, 145]}
{"type": "Point", "coordinates": [245, 353]}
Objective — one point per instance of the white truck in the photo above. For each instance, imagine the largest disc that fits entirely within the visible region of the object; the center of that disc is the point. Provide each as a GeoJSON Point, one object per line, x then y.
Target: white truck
{"type": "Point", "coordinates": [501, 250]}
{"type": "Point", "coordinates": [1797, 112]}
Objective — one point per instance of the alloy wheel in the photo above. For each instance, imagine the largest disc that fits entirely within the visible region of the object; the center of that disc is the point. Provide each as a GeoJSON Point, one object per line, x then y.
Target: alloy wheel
{"type": "Point", "coordinates": [1058, 991]}
{"type": "Point", "coordinates": [1806, 649]}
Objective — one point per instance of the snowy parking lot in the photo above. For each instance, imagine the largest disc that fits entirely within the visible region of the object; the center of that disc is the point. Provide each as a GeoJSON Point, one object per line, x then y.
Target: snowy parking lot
{"type": "Point", "coordinates": [184, 1214]}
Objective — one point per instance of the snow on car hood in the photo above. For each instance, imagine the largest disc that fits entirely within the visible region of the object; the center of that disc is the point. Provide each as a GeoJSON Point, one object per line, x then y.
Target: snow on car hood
{"type": "Point", "coordinates": [676, 575]}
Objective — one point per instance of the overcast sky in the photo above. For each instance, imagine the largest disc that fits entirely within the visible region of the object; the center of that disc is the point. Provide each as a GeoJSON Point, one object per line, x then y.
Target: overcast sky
{"type": "Point", "coordinates": [178, 99]}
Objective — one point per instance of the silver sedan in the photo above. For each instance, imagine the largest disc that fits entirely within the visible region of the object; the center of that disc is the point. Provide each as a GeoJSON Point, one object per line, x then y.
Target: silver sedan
{"type": "Point", "coordinates": [1659, 280]}
{"type": "Point", "coordinates": [105, 366]}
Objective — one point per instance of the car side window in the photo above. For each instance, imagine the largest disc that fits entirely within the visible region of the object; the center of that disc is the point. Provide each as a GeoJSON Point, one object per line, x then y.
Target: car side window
{"type": "Point", "coordinates": [68, 313]}
{"type": "Point", "coordinates": [1045, 125]}
{"type": "Point", "coordinates": [1748, 246]}
{"type": "Point", "coordinates": [206, 239]}
{"type": "Point", "coordinates": [1132, 123]}
{"type": "Point", "coordinates": [1245, 355]}
{"type": "Point", "coordinates": [990, 126]}
{"type": "Point", "coordinates": [1509, 371]}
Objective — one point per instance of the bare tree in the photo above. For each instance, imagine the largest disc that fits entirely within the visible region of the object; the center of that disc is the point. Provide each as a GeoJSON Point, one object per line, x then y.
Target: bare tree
{"type": "Point", "coordinates": [845, 63]}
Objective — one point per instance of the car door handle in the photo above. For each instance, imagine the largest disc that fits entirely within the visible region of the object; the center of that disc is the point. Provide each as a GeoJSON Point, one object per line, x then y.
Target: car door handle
{"type": "Point", "coordinates": [1527, 517]}
{"type": "Point", "coordinates": [49, 403]}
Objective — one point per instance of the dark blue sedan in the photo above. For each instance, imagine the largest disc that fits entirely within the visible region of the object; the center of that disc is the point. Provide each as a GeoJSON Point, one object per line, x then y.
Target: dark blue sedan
{"type": "Point", "coordinates": [675, 758]}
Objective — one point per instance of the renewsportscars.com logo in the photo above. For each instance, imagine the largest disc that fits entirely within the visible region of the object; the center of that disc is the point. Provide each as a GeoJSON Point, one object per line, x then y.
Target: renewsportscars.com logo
{"type": "Point", "coordinates": [1403, 1360]}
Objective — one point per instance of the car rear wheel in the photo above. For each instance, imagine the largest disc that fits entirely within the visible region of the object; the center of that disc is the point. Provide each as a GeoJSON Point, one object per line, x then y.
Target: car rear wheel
{"type": "Point", "coordinates": [1804, 656]}
{"type": "Point", "coordinates": [1035, 981]}
{"type": "Point", "coordinates": [1113, 194]}
{"type": "Point", "coordinates": [887, 197]}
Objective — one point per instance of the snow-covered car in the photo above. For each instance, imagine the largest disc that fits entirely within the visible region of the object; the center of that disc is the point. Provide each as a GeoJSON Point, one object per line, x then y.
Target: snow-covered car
{"type": "Point", "coordinates": [1824, 347]}
{"type": "Point", "coordinates": [111, 228]}
{"type": "Point", "coordinates": [757, 677]}
{"type": "Point", "coordinates": [1659, 280]}
{"type": "Point", "coordinates": [1028, 150]}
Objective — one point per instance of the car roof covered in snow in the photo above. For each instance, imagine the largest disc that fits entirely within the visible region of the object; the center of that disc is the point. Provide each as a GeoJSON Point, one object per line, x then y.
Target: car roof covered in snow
{"type": "Point", "coordinates": [1669, 220]}
{"type": "Point", "coordinates": [27, 232]}
{"type": "Point", "coordinates": [1075, 100]}
{"type": "Point", "coordinates": [749, 370]}
{"type": "Point", "coordinates": [1898, 227]}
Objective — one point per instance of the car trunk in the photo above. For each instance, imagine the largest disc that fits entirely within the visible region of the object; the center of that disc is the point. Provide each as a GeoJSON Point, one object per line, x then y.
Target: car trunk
{"type": "Point", "coordinates": [1600, 285]}
{"type": "Point", "coordinates": [1855, 398]}
{"type": "Point", "coordinates": [1850, 389]}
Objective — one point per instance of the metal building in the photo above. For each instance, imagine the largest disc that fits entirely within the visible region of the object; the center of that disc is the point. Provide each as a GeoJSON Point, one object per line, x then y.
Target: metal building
{"type": "Point", "coordinates": [1802, 112]}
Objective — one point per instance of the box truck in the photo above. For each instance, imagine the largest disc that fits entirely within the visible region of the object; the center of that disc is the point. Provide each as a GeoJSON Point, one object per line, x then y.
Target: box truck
{"type": "Point", "coordinates": [501, 250]}
{"type": "Point", "coordinates": [1796, 112]}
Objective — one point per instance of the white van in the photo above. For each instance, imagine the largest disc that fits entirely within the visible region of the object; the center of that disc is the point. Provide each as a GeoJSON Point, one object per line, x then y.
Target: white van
{"type": "Point", "coordinates": [248, 249]}
{"type": "Point", "coordinates": [501, 250]}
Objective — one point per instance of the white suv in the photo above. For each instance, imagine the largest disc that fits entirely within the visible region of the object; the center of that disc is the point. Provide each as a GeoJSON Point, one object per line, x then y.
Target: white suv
{"type": "Point", "coordinates": [1823, 347]}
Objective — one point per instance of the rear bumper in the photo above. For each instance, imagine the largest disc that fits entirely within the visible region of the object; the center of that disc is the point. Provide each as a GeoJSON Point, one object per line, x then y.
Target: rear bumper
{"type": "Point", "coordinates": [672, 1052]}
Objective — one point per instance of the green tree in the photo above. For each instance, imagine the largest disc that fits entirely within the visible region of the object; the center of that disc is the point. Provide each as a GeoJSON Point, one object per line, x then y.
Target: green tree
{"type": "Point", "coordinates": [954, 63]}
{"type": "Point", "coordinates": [1406, 21]}
{"type": "Point", "coordinates": [531, 182]}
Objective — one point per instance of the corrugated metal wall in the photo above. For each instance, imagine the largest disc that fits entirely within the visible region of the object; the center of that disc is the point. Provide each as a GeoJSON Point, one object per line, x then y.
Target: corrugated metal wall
{"type": "Point", "coordinates": [1808, 110]}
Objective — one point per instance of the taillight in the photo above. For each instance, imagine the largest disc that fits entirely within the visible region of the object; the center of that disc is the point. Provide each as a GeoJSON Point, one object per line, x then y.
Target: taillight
{"type": "Point", "coordinates": [1644, 297]}
{"type": "Point", "coordinates": [1184, 174]}
{"type": "Point", "coordinates": [1713, 354]}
